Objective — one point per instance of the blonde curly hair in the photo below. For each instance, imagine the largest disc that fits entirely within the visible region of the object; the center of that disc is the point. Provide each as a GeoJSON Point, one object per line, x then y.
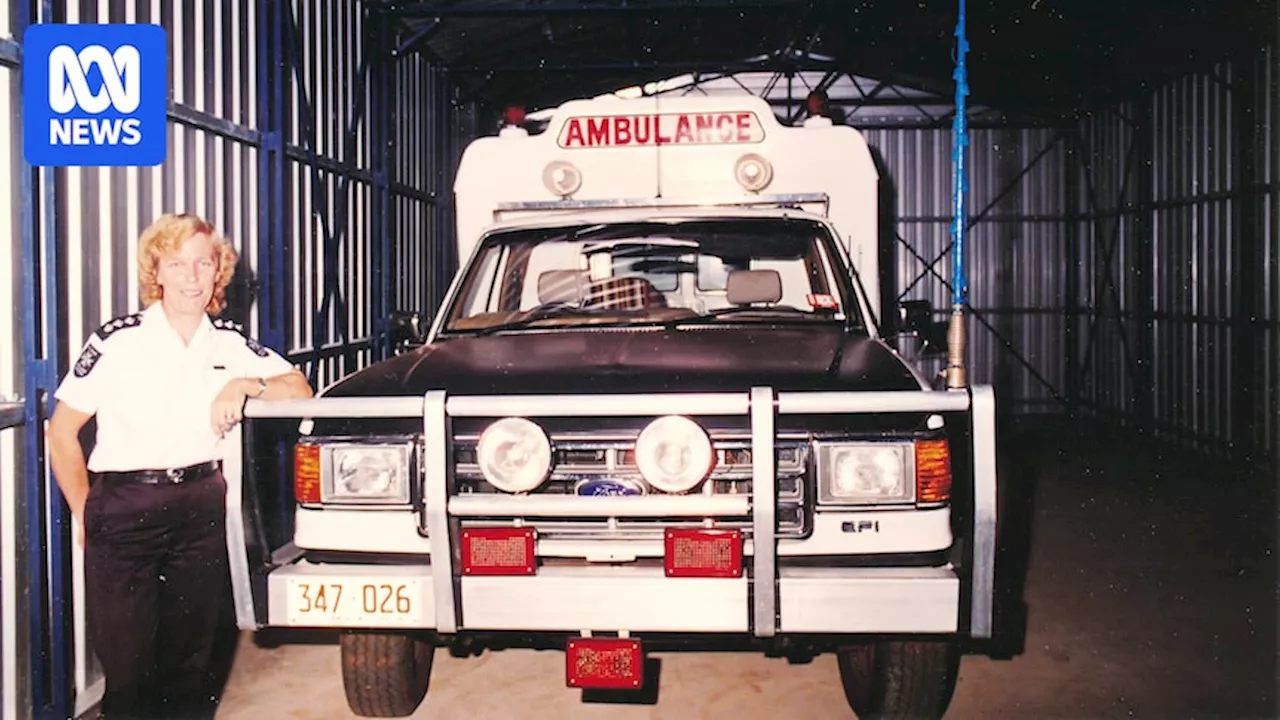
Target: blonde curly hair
{"type": "Point", "coordinates": [165, 236]}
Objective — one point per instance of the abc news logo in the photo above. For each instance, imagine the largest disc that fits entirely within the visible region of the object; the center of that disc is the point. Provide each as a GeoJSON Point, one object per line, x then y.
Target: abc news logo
{"type": "Point", "coordinates": [69, 90]}
{"type": "Point", "coordinates": [95, 95]}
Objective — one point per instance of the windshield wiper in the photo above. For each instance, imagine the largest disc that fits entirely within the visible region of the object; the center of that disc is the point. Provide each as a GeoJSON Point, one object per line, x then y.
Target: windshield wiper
{"type": "Point", "coordinates": [538, 314]}
{"type": "Point", "coordinates": [735, 310]}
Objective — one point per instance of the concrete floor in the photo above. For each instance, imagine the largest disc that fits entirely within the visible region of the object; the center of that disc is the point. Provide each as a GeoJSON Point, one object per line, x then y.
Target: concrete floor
{"type": "Point", "coordinates": [1150, 592]}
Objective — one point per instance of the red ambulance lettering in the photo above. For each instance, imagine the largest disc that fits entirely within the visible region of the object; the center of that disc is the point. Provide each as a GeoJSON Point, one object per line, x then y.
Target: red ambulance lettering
{"type": "Point", "coordinates": [724, 124]}
{"type": "Point", "coordinates": [643, 129]}
{"type": "Point", "coordinates": [597, 131]}
{"type": "Point", "coordinates": [683, 132]}
{"type": "Point", "coordinates": [622, 131]}
{"type": "Point", "coordinates": [573, 133]}
{"type": "Point", "coordinates": [647, 130]}
{"type": "Point", "coordinates": [705, 124]}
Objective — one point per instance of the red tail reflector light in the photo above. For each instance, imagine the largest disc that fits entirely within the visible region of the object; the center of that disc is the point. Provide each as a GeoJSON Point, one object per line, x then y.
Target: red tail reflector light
{"type": "Point", "coordinates": [611, 663]}
{"type": "Point", "coordinates": [498, 551]}
{"type": "Point", "coordinates": [933, 471]}
{"type": "Point", "coordinates": [306, 473]}
{"type": "Point", "coordinates": [703, 553]}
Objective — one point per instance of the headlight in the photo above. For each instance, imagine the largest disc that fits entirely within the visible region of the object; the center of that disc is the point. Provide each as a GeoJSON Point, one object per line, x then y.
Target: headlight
{"type": "Point", "coordinates": [674, 454]}
{"type": "Point", "coordinates": [865, 473]}
{"type": "Point", "coordinates": [514, 454]}
{"type": "Point", "coordinates": [368, 474]}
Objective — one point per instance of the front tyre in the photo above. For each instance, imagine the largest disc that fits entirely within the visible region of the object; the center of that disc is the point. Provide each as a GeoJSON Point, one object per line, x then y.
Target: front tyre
{"type": "Point", "coordinates": [892, 679]}
{"type": "Point", "coordinates": [385, 674]}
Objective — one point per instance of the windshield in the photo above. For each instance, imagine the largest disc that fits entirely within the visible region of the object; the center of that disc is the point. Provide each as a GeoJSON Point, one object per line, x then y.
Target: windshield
{"type": "Point", "coordinates": [765, 270]}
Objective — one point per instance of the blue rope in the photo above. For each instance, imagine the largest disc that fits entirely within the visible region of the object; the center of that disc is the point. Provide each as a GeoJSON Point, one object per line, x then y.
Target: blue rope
{"type": "Point", "coordinates": [960, 129]}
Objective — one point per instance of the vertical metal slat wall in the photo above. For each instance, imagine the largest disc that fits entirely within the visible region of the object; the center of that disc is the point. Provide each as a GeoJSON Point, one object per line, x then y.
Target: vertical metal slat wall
{"type": "Point", "coordinates": [272, 132]}
{"type": "Point", "coordinates": [1176, 326]}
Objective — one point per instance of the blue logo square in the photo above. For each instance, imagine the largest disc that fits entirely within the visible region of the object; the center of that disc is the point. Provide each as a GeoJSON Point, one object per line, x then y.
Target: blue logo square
{"type": "Point", "coordinates": [94, 95]}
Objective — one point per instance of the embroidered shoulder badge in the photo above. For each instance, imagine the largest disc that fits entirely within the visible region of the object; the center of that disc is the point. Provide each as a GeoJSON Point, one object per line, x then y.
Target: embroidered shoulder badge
{"type": "Point", "coordinates": [233, 326]}
{"type": "Point", "coordinates": [87, 360]}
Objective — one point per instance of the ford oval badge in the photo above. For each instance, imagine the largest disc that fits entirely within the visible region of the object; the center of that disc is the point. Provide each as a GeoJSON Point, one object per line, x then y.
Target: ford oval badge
{"type": "Point", "coordinates": [608, 487]}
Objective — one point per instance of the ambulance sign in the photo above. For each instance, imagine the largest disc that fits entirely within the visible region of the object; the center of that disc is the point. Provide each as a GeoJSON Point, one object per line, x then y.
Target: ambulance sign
{"type": "Point", "coordinates": [706, 128]}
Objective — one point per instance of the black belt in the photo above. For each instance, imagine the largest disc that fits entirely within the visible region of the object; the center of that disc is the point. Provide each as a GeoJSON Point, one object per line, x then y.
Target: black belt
{"type": "Point", "coordinates": [191, 473]}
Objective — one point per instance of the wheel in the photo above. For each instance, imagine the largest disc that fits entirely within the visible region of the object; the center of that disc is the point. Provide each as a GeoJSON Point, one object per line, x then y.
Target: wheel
{"type": "Point", "coordinates": [899, 679]}
{"type": "Point", "coordinates": [385, 674]}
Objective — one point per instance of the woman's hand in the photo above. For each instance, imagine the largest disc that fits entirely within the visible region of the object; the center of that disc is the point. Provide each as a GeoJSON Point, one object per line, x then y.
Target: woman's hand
{"type": "Point", "coordinates": [228, 406]}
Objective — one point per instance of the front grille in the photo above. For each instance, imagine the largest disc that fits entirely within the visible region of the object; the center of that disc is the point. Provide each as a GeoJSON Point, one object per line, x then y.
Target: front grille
{"type": "Point", "coordinates": [579, 458]}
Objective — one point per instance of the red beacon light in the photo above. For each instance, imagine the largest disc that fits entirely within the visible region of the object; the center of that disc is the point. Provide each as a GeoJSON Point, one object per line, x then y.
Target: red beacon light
{"type": "Point", "coordinates": [514, 115]}
{"type": "Point", "coordinates": [816, 105]}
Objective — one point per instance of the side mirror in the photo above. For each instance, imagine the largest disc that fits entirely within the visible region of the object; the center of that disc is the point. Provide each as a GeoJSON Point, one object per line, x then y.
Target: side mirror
{"type": "Point", "coordinates": [407, 330]}
{"type": "Point", "coordinates": [917, 332]}
{"type": "Point", "coordinates": [915, 316]}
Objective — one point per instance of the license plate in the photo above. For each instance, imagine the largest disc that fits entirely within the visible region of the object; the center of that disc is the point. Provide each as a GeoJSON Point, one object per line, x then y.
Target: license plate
{"type": "Point", "coordinates": [362, 602]}
{"type": "Point", "coordinates": [605, 663]}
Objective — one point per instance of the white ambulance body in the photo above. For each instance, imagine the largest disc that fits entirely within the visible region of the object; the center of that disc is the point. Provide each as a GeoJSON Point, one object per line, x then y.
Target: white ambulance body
{"type": "Point", "coordinates": [659, 154]}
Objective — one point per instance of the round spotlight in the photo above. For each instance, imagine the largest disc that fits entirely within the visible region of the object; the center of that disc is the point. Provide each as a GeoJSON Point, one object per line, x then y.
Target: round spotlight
{"type": "Point", "coordinates": [514, 455]}
{"type": "Point", "coordinates": [561, 178]}
{"type": "Point", "coordinates": [753, 172]}
{"type": "Point", "coordinates": [674, 454]}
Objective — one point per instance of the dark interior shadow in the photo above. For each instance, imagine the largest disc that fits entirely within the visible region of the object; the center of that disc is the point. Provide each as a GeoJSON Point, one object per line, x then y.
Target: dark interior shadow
{"type": "Point", "coordinates": [274, 637]}
{"type": "Point", "coordinates": [1016, 472]}
{"type": "Point", "coordinates": [241, 293]}
{"type": "Point", "coordinates": [646, 694]}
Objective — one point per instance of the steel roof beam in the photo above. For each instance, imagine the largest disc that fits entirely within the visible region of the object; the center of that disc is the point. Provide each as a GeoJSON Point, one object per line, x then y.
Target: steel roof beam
{"type": "Point", "coordinates": [419, 36]}
{"type": "Point", "coordinates": [396, 8]}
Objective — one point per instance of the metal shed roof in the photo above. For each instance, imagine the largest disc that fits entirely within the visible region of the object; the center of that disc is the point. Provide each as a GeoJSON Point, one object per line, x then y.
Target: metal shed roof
{"type": "Point", "coordinates": [1030, 59]}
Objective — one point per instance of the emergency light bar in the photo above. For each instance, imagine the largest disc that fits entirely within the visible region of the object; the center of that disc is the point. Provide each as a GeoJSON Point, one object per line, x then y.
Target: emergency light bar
{"type": "Point", "coordinates": [778, 200]}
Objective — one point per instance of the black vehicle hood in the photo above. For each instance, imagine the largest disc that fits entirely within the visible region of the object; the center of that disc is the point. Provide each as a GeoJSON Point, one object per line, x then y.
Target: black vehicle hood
{"type": "Point", "coordinates": [635, 360]}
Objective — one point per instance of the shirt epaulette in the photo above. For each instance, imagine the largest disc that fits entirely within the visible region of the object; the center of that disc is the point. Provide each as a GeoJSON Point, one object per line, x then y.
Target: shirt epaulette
{"type": "Point", "coordinates": [110, 327]}
{"type": "Point", "coordinates": [224, 324]}
{"type": "Point", "coordinates": [233, 326]}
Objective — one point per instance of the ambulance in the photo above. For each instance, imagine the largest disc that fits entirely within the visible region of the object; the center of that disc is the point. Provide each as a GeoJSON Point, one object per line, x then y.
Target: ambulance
{"type": "Point", "coordinates": [661, 409]}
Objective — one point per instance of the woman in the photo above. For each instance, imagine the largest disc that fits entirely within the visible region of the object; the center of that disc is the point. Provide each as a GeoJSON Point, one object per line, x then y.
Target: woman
{"type": "Point", "coordinates": [165, 385]}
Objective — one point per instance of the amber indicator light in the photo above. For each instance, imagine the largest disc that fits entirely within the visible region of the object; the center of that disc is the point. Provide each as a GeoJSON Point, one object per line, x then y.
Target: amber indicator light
{"type": "Point", "coordinates": [933, 471]}
{"type": "Point", "coordinates": [306, 473]}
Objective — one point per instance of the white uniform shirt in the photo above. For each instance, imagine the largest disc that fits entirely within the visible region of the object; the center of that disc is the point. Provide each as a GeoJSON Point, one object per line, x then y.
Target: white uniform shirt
{"type": "Point", "coordinates": [153, 395]}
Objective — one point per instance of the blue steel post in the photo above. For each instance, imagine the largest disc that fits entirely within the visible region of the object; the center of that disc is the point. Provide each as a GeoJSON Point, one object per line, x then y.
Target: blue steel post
{"type": "Point", "coordinates": [380, 70]}
{"type": "Point", "coordinates": [273, 271]}
{"type": "Point", "coordinates": [49, 666]}
{"type": "Point", "coordinates": [959, 285]}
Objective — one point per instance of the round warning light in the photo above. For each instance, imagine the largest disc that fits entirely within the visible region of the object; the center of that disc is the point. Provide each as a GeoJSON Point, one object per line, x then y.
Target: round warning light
{"type": "Point", "coordinates": [561, 178]}
{"type": "Point", "coordinates": [753, 172]}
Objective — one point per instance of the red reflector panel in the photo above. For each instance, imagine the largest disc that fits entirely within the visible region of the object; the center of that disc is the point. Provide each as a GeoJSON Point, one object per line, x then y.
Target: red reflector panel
{"type": "Point", "coordinates": [703, 553]}
{"type": "Point", "coordinates": [604, 663]}
{"type": "Point", "coordinates": [306, 473]}
{"type": "Point", "coordinates": [498, 551]}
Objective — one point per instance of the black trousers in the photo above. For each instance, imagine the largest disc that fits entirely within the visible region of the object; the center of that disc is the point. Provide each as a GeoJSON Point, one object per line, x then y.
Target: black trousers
{"type": "Point", "coordinates": [156, 586]}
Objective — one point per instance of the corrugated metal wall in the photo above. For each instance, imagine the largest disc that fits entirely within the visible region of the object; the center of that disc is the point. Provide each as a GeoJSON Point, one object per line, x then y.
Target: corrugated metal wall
{"type": "Point", "coordinates": [1179, 331]}
{"type": "Point", "coordinates": [14, 606]}
{"type": "Point", "coordinates": [1015, 248]}
{"type": "Point", "coordinates": [232, 119]}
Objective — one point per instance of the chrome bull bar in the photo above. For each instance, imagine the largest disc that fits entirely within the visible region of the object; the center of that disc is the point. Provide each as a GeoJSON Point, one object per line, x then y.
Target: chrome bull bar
{"type": "Point", "coordinates": [762, 404]}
